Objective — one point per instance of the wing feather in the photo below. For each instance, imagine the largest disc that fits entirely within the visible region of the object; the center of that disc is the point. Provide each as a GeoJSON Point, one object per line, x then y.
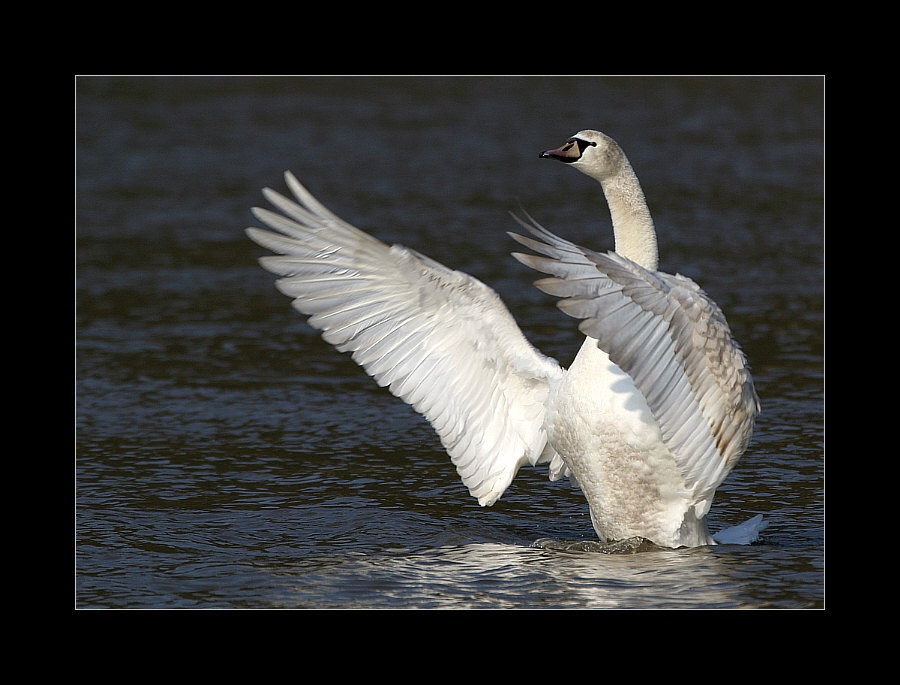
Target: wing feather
{"type": "Point", "coordinates": [438, 339]}
{"type": "Point", "coordinates": [670, 337]}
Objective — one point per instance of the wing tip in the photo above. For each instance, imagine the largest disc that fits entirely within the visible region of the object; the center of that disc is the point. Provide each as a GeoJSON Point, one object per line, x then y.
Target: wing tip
{"type": "Point", "coordinates": [490, 498]}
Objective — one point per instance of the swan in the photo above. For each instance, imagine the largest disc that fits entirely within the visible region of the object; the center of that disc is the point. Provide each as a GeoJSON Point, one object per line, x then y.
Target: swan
{"type": "Point", "coordinates": [653, 413]}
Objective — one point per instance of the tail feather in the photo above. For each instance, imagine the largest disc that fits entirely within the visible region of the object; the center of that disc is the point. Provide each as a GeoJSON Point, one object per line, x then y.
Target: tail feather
{"type": "Point", "coordinates": [743, 533]}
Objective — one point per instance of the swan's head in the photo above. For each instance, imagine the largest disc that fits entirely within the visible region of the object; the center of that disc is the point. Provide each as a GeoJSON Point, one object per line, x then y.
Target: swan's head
{"type": "Point", "coordinates": [591, 152]}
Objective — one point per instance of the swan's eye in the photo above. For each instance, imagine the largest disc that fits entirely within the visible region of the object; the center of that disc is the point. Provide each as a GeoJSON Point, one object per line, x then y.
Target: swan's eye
{"type": "Point", "coordinates": [582, 144]}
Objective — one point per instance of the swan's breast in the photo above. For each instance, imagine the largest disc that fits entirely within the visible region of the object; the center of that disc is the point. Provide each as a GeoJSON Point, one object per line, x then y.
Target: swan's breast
{"type": "Point", "coordinates": [602, 427]}
{"type": "Point", "coordinates": [597, 400]}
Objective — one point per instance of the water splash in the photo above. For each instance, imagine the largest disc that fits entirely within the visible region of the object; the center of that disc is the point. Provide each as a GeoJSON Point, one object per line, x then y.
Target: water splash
{"type": "Point", "coordinates": [628, 546]}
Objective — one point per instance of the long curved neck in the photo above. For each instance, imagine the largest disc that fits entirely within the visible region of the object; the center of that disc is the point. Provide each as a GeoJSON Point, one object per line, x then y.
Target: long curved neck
{"type": "Point", "coordinates": [632, 224]}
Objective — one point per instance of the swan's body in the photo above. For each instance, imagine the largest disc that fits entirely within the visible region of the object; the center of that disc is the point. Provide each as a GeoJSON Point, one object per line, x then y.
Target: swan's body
{"type": "Point", "coordinates": [653, 413]}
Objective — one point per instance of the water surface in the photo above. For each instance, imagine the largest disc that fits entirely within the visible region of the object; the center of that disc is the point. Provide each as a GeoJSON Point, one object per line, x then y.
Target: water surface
{"type": "Point", "coordinates": [226, 457]}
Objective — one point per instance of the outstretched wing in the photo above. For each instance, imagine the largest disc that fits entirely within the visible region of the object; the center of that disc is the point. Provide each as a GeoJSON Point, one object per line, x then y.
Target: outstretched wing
{"type": "Point", "coordinates": [673, 341]}
{"type": "Point", "coordinates": [439, 339]}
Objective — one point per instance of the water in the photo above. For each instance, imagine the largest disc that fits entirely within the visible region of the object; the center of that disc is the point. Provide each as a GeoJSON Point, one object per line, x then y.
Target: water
{"type": "Point", "coordinates": [226, 457]}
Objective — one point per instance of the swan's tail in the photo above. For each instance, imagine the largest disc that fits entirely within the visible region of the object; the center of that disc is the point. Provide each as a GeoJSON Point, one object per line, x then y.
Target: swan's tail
{"type": "Point", "coordinates": [743, 533]}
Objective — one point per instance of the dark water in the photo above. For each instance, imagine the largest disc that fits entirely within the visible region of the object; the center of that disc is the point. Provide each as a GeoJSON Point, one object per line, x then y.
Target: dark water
{"type": "Point", "coordinates": [226, 457]}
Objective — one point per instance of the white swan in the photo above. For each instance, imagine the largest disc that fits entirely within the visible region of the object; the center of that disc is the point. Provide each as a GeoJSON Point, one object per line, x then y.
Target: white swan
{"type": "Point", "coordinates": [654, 412]}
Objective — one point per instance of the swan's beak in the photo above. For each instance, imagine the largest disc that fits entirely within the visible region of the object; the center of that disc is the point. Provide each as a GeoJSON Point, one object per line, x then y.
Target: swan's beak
{"type": "Point", "coordinates": [570, 152]}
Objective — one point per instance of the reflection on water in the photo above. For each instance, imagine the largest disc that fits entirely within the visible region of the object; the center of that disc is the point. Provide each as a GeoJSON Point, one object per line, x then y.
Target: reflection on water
{"type": "Point", "coordinates": [493, 575]}
{"type": "Point", "coordinates": [227, 457]}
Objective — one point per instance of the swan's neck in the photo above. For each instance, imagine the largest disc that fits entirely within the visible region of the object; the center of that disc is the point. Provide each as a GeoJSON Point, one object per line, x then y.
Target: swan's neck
{"type": "Point", "coordinates": [632, 224]}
